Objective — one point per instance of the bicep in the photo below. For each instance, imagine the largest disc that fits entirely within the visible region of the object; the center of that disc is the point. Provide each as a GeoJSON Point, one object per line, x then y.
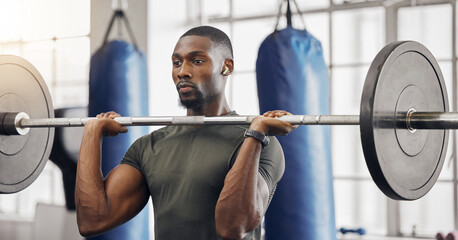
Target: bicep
{"type": "Point", "coordinates": [127, 192]}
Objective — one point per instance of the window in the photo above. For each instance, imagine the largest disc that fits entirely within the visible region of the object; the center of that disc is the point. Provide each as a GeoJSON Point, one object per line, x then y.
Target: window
{"type": "Point", "coordinates": [54, 36]}
{"type": "Point", "coordinates": [352, 33]}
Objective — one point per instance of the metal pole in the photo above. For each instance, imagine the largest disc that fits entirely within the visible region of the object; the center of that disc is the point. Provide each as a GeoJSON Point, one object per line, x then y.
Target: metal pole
{"type": "Point", "coordinates": [433, 120]}
{"type": "Point", "coordinates": [192, 120]}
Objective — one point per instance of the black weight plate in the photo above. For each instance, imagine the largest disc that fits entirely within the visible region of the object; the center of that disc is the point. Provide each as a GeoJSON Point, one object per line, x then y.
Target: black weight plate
{"type": "Point", "coordinates": [405, 164]}
{"type": "Point", "coordinates": [22, 158]}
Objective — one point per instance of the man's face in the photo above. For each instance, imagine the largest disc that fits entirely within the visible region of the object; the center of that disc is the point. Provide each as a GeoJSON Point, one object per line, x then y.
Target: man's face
{"type": "Point", "coordinates": [196, 68]}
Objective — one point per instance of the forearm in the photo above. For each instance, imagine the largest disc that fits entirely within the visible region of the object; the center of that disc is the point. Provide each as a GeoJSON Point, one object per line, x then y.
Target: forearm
{"type": "Point", "coordinates": [240, 205]}
{"type": "Point", "coordinates": [92, 204]}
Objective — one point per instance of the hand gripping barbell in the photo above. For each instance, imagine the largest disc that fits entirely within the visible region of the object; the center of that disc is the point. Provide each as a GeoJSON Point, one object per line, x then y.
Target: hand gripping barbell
{"type": "Point", "coordinates": [403, 121]}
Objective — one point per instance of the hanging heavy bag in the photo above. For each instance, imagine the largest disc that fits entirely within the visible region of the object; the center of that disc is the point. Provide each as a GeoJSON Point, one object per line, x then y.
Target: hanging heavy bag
{"type": "Point", "coordinates": [292, 75]}
{"type": "Point", "coordinates": [119, 82]}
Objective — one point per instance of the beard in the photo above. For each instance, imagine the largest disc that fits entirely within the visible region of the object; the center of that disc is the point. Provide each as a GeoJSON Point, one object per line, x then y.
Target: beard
{"type": "Point", "coordinates": [195, 104]}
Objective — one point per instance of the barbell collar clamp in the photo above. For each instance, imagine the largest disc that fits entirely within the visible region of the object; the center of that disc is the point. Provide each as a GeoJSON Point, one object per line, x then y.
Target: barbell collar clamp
{"type": "Point", "coordinates": [10, 123]}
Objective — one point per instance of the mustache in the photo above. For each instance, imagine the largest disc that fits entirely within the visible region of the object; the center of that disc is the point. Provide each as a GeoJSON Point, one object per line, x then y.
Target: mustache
{"type": "Point", "coordinates": [184, 83]}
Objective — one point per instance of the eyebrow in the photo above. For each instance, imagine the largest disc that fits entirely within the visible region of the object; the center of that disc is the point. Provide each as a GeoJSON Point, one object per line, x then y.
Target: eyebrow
{"type": "Point", "coordinates": [193, 53]}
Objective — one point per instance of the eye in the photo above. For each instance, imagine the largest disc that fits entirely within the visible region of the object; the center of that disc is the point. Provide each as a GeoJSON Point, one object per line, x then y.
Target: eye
{"type": "Point", "coordinates": [198, 61]}
{"type": "Point", "coordinates": [176, 63]}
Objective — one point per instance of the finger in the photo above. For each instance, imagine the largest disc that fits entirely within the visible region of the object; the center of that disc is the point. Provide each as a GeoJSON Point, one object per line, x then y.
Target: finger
{"type": "Point", "coordinates": [279, 113]}
{"type": "Point", "coordinates": [282, 113]}
{"type": "Point", "coordinates": [124, 129]}
{"type": "Point", "coordinates": [110, 114]}
{"type": "Point", "coordinates": [275, 114]}
{"type": "Point", "coordinates": [113, 115]}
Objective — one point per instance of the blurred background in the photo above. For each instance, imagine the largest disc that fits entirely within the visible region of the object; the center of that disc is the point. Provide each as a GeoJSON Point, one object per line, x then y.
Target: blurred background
{"type": "Point", "coordinates": [59, 36]}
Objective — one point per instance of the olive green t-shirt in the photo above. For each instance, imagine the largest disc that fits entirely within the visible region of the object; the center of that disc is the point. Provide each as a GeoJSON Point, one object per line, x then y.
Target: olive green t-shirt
{"type": "Point", "coordinates": [185, 168]}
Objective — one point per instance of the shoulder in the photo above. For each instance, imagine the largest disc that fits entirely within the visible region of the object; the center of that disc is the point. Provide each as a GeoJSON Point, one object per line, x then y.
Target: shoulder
{"type": "Point", "coordinates": [274, 147]}
{"type": "Point", "coordinates": [272, 163]}
{"type": "Point", "coordinates": [151, 137]}
{"type": "Point", "coordinates": [273, 152]}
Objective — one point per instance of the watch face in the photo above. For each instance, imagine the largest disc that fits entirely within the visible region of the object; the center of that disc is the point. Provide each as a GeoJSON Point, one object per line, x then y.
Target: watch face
{"type": "Point", "coordinates": [267, 141]}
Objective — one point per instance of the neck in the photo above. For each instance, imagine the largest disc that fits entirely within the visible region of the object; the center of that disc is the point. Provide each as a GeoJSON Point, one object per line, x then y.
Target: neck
{"type": "Point", "coordinates": [216, 107]}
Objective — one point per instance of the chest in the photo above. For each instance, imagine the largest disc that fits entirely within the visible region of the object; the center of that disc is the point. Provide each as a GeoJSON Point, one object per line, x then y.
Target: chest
{"type": "Point", "coordinates": [189, 160]}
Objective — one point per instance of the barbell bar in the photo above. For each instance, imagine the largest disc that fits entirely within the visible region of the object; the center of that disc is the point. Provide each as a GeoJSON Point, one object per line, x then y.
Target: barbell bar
{"type": "Point", "coordinates": [415, 120]}
{"type": "Point", "coordinates": [23, 122]}
{"type": "Point", "coordinates": [403, 121]}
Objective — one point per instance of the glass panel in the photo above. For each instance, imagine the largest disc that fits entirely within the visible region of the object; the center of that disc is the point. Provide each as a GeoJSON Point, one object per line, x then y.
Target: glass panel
{"type": "Point", "coordinates": [245, 97]}
{"type": "Point", "coordinates": [38, 19]}
{"type": "Point", "coordinates": [225, 27]}
{"type": "Point", "coordinates": [358, 35]}
{"type": "Point", "coordinates": [308, 5]}
{"type": "Point", "coordinates": [40, 54]}
{"type": "Point", "coordinates": [447, 169]}
{"type": "Point", "coordinates": [14, 49]}
{"type": "Point", "coordinates": [348, 158]}
{"type": "Point", "coordinates": [10, 20]}
{"type": "Point", "coordinates": [347, 153]}
{"type": "Point", "coordinates": [47, 188]}
{"type": "Point", "coordinates": [214, 9]}
{"type": "Point", "coordinates": [255, 7]}
{"type": "Point", "coordinates": [9, 204]}
{"type": "Point", "coordinates": [46, 19]}
{"type": "Point", "coordinates": [72, 59]}
{"type": "Point", "coordinates": [347, 85]}
{"type": "Point", "coordinates": [74, 95]}
{"type": "Point", "coordinates": [247, 38]}
{"type": "Point", "coordinates": [72, 18]}
{"type": "Point", "coordinates": [446, 68]}
{"type": "Point", "coordinates": [36, 193]}
{"type": "Point", "coordinates": [430, 214]}
{"type": "Point", "coordinates": [429, 25]}
{"type": "Point", "coordinates": [360, 204]}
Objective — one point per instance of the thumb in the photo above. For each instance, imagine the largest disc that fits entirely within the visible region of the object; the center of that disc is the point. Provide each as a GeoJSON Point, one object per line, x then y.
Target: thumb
{"type": "Point", "coordinates": [124, 130]}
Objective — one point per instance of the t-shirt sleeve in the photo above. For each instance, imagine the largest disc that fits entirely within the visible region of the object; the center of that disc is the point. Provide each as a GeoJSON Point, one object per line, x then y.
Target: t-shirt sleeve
{"type": "Point", "coordinates": [133, 155]}
{"type": "Point", "coordinates": [272, 164]}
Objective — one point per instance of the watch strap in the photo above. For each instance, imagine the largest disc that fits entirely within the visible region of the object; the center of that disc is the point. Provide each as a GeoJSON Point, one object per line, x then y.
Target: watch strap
{"type": "Point", "coordinates": [258, 136]}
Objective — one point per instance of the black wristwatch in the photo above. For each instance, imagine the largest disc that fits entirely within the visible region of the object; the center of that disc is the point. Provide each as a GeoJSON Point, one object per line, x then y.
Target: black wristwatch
{"type": "Point", "coordinates": [258, 136]}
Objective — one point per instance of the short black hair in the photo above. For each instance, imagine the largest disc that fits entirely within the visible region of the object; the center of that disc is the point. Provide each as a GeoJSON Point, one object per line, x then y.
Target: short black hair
{"type": "Point", "coordinates": [217, 36]}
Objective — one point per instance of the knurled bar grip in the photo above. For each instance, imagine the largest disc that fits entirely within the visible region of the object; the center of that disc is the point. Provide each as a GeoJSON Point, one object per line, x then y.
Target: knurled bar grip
{"type": "Point", "coordinates": [192, 120]}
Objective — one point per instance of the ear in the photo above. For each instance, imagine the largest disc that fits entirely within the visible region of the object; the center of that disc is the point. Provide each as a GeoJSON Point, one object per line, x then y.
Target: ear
{"type": "Point", "coordinates": [227, 67]}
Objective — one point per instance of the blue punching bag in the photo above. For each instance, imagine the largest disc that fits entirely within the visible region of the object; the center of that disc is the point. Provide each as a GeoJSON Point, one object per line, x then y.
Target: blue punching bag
{"type": "Point", "coordinates": [119, 82]}
{"type": "Point", "coordinates": [292, 75]}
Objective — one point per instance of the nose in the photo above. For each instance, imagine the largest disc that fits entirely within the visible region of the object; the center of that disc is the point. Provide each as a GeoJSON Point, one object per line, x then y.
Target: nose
{"type": "Point", "coordinates": [185, 71]}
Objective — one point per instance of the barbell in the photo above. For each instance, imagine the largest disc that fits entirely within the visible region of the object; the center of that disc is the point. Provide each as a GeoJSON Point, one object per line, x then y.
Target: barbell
{"type": "Point", "coordinates": [403, 121]}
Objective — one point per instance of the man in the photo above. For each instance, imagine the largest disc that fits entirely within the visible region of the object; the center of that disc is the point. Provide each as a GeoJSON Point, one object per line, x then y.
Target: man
{"type": "Point", "coordinates": [205, 181]}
